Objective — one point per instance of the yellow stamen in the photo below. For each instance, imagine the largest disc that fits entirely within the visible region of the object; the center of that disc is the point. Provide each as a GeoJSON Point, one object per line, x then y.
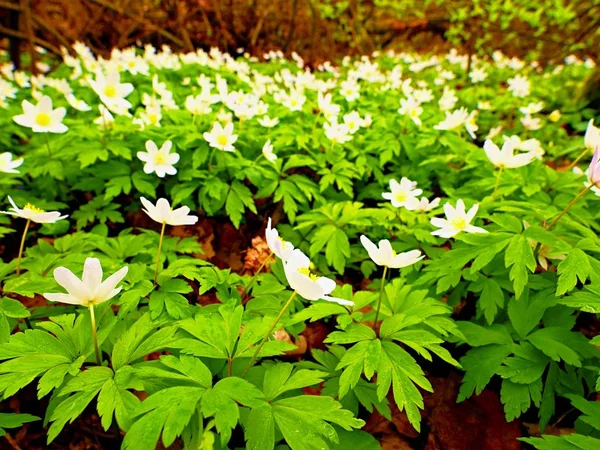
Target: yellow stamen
{"type": "Point", "coordinates": [159, 158]}
{"type": "Point", "coordinates": [43, 119]}
{"type": "Point", "coordinates": [222, 139]}
{"type": "Point", "coordinates": [401, 196]}
{"type": "Point", "coordinates": [306, 271]}
{"type": "Point", "coordinates": [459, 223]}
{"type": "Point", "coordinates": [110, 91]}
{"type": "Point", "coordinates": [33, 209]}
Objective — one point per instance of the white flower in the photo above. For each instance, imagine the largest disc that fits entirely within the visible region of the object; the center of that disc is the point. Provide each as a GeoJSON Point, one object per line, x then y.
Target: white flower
{"type": "Point", "coordinates": [591, 140]}
{"type": "Point", "coordinates": [267, 122]}
{"type": "Point", "coordinates": [532, 108]}
{"type": "Point", "coordinates": [453, 119]}
{"type": "Point", "coordinates": [352, 121]}
{"type": "Point", "coordinates": [162, 213]}
{"type": "Point", "coordinates": [456, 221]}
{"type": "Point", "coordinates": [422, 204]}
{"type": "Point", "coordinates": [32, 213]}
{"type": "Point", "coordinates": [308, 285]}
{"type": "Point", "coordinates": [7, 164]}
{"type": "Point", "coordinates": [41, 118]}
{"type": "Point", "coordinates": [282, 249]}
{"type": "Point", "coordinates": [484, 105]}
{"type": "Point", "coordinates": [403, 193]}
{"type": "Point", "coordinates": [267, 151]}
{"type": "Point", "coordinates": [506, 157]}
{"type": "Point", "coordinates": [412, 108]}
{"type": "Point", "coordinates": [529, 145]}
{"type": "Point", "coordinates": [478, 75]}
{"type": "Point", "coordinates": [519, 86]}
{"type": "Point", "coordinates": [471, 125]}
{"type": "Point", "coordinates": [221, 137]}
{"type": "Point", "coordinates": [112, 92]}
{"type": "Point", "coordinates": [337, 132]}
{"type": "Point", "coordinates": [106, 119]}
{"type": "Point", "coordinates": [90, 290]}
{"type": "Point", "coordinates": [326, 106]}
{"type": "Point", "coordinates": [76, 103]}
{"type": "Point", "coordinates": [384, 254]}
{"type": "Point", "coordinates": [531, 123]}
{"type": "Point", "coordinates": [158, 160]}
{"type": "Point", "coordinates": [494, 132]}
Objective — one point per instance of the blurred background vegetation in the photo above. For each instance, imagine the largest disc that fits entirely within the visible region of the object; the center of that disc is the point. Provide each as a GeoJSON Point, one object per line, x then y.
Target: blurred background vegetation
{"type": "Point", "coordinates": [318, 30]}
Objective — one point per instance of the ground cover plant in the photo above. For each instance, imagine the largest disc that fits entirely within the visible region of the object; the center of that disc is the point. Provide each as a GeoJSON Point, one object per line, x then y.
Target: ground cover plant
{"type": "Point", "coordinates": [176, 226]}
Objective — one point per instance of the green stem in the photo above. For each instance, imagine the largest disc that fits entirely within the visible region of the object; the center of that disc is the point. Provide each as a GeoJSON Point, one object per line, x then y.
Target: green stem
{"type": "Point", "coordinates": [22, 246]}
{"type": "Point", "coordinates": [48, 144]}
{"type": "Point", "coordinates": [574, 163]}
{"type": "Point", "coordinates": [570, 205]}
{"type": "Point", "coordinates": [497, 182]}
{"type": "Point", "coordinates": [160, 242]}
{"type": "Point", "coordinates": [95, 336]}
{"type": "Point", "coordinates": [211, 157]}
{"type": "Point", "coordinates": [256, 274]}
{"type": "Point", "coordinates": [260, 346]}
{"type": "Point", "coordinates": [380, 296]}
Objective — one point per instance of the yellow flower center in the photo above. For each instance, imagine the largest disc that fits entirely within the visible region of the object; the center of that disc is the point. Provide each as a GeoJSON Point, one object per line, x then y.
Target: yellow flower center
{"type": "Point", "coordinates": [153, 119]}
{"type": "Point", "coordinates": [307, 272]}
{"type": "Point", "coordinates": [459, 223]}
{"type": "Point", "coordinates": [110, 91]}
{"type": "Point", "coordinates": [222, 139]}
{"type": "Point", "coordinates": [401, 196]}
{"type": "Point", "coordinates": [131, 64]}
{"type": "Point", "coordinates": [160, 158]}
{"type": "Point", "coordinates": [413, 113]}
{"type": "Point", "coordinates": [33, 209]}
{"type": "Point", "coordinates": [43, 119]}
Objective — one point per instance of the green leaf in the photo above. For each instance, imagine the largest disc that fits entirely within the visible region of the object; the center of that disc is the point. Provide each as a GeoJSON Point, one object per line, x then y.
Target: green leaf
{"type": "Point", "coordinates": [140, 340]}
{"type": "Point", "coordinates": [480, 365]}
{"type": "Point", "coordinates": [575, 266]}
{"type": "Point", "coordinates": [565, 442]}
{"type": "Point", "coordinates": [222, 402]}
{"type": "Point", "coordinates": [519, 257]}
{"type": "Point", "coordinates": [10, 420]}
{"type": "Point", "coordinates": [306, 421]}
{"type": "Point", "coordinates": [167, 411]}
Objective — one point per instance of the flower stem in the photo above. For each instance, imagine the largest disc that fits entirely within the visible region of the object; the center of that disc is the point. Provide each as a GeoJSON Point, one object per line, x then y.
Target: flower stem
{"type": "Point", "coordinates": [380, 296]}
{"type": "Point", "coordinates": [95, 336]}
{"type": "Point", "coordinates": [48, 144]}
{"type": "Point", "coordinates": [256, 273]}
{"type": "Point", "coordinates": [260, 346]}
{"type": "Point", "coordinates": [210, 158]}
{"type": "Point", "coordinates": [497, 182]}
{"type": "Point", "coordinates": [160, 243]}
{"type": "Point", "coordinates": [22, 246]}
{"type": "Point", "coordinates": [581, 155]}
{"type": "Point", "coordinates": [570, 205]}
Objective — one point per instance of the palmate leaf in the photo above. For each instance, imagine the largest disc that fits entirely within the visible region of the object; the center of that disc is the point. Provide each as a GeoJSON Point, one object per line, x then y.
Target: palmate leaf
{"type": "Point", "coordinates": [9, 420]}
{"type": "Point", "coordinates": [170, 409]}
{"type": "Point", "coordinates": [140, 340]}
{"type": "Point", "coordinates": [53, 353]}
{"type": "Point", "coordinates": [305, 421]}
{"type": "Point", "coordinates": [566, 442]}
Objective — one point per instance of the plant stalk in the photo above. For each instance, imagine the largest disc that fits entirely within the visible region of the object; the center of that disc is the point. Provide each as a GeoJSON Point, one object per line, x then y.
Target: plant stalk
{"type": "Point", "coordinates": [570, 205]}
{"type": "Point", "coordinates": [256, 274]}
{"type": "Point", "coordinates": [385, 268]}
{"type": "Point", "coordinates": [497, 182]}
{"type": "Point", "coordinates": [160, 243]}
{"type": "Point", "coordinates": [574, 163]}
{"type": "Point", "coordinates": [95, 336]}
{"type": "Point", "coordinates": [22, 246]}
{"type": "Point", "coordinates": [262, 343]}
